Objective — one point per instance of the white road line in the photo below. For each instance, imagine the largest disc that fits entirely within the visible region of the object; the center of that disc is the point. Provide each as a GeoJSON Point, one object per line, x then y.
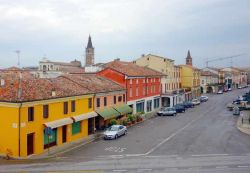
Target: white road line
{"type": "Point", "coordinates": [242, 166]}
{"type": "Point", "coordinates": [122, 170]}
{"type": "Point", "coordinates": [221, 167]}
{"type": "Point", "coordinates": [145, 169]}
{"type": "Point", "coordinates": [171, 136]}
{"type": "Point", "coordinates": [206, 155]}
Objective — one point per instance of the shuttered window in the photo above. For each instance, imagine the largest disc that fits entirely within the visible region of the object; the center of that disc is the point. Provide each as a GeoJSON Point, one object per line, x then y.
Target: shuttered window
{"type": "Point", "coordinates": [76, 128]}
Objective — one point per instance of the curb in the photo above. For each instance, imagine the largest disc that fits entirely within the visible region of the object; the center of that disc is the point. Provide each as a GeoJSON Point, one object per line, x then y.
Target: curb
{"type": "Point", "coordinates": [242, 129]}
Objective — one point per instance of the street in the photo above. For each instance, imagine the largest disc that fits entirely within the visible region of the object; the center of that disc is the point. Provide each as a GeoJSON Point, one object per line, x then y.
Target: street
{"type": "Point", "coordinates": [203, 139]}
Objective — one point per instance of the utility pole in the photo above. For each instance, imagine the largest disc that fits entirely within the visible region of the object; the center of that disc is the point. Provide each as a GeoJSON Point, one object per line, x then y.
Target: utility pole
{"type": "Point", "coordinates": [18, 57]}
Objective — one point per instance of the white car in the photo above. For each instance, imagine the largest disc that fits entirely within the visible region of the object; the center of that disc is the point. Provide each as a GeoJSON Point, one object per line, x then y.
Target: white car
{"type": "Point", "coordinates": [196, 102]}
{"type": "Point", "coordinates": [115, 131]}
{"type": "Point", "coordinates": [220, 92]}
{"type": "Point", "coordinates": [167, 111]}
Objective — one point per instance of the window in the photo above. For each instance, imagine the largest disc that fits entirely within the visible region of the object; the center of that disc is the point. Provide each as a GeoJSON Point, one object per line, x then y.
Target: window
{"type": "Point", "coordinates": [130, 92]}
{"type": "Point", "coordinates": [114, 99]}
{"type": "Point", "coordinates": [148, 89]}
{"type": "Point", "coordinates": [149, 105]}
{"type": "Point", "coordinates": [119, 98]}
{"type": "Point", "coordinates": [144, 91]}
{"type": "Point", "coordinates": [105, 101]}
{"type": "Point", "coordinates": [136, 81]}
{"type": "Point", "coordinates": [65, 107]}
{"type": "Point", "coordinates": [143, 80]}
{"type": "Point", "coordinates": [98, 102]}
{"type": "Point", "coordinates": [31, 114]}
{"type": "Point", "coordinates": [124, 98]}
{"type": "Point", "coordinates": [137, 91]}
{"type": "Point", "coordinates": [76, 127]}
{"type": "Point", "coordinates": [73, 106]}
{"type": "Point", "coordinates": [156, 103]}
{"type": "Point", "coordinates": [130, 81]}
{"type": "Point", "coordinates": [45, 111]}
{"type": "Point", "coordinates": [90, 103]}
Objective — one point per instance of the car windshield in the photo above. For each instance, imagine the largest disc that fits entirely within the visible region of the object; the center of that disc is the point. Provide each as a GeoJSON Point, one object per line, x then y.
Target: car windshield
{"type": "Point", "coordinates": [113, 128]}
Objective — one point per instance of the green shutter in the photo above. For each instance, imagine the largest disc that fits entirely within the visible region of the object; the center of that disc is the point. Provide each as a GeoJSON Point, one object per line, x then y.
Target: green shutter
{"type": "Point", "coordinates": [76, 127]}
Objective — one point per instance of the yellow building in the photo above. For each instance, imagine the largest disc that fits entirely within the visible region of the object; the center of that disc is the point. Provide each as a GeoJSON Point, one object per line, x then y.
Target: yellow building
{"type": "Point", "coordinates": [190, 79]}
{"type": "Point", "coordinates": [39, 113]}
{"type": "Point", "coordinates": [171, 92]}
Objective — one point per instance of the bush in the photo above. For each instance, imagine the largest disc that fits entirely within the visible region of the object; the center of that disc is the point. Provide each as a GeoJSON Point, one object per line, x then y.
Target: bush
{"type": "Point", "coordinates": [132, 118]}
{"type": "Point", "coordinates": [125, 122]}
{"type": "Point", "coordinates": [113, 122]}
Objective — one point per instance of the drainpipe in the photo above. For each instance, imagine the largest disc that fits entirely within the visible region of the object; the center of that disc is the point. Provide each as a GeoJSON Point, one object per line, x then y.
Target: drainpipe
{"type": "Point", "coordinates": [19, 129]}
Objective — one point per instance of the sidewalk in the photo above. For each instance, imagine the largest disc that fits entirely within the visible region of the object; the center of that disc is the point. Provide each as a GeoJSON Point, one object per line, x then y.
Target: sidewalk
{"type": "Point", "coordinates": [245, 127]}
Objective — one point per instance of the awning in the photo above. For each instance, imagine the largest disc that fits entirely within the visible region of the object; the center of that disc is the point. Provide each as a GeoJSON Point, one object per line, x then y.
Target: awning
{"type": "Point", "coordinates": [108, 113]}
{"type": "Point", "coordinates": [58, 123]}
{"type": "Point", "coordinates": [84, 116]}
{"type": "Point", "coordinates": [123, 109]}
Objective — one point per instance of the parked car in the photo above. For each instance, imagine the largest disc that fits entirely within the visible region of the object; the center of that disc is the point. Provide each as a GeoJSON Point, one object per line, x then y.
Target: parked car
{"type": "Point", "coordinates": [229, 89]}
{"type": "Point", "coordinates": [188, 104]}
{"type": "Point", "coordinates": [115, 131]}
{"type": "Point", "coordinates": [196, 102]}
{"type": "Point", "coordinates": [167, 111]}
{"type": "Point", "coordinates": [220, 92]}
{"type": "Point", "coordinates": [203, 98]}
{"type": "Point", "coordinates": [179, 108]}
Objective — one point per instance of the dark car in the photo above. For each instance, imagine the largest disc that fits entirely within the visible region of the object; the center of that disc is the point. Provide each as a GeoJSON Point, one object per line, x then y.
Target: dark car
{"type": "Point", "coordinates": [188, 104]}
{"type": "Point", "coordinates": [179, 108]}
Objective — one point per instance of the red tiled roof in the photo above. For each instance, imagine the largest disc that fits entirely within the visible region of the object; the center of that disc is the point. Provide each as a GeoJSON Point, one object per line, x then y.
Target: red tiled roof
{"type": "Point", "coordinates": [95, 83]}
{"type": "Point", "coordinates": [208, 73]}
{"type": "Point", "coordinates": [29, 88]}
{"type": "Point", "coordinates": [131, 69]}
{"type": "Point", "coordinates": [21, 87]}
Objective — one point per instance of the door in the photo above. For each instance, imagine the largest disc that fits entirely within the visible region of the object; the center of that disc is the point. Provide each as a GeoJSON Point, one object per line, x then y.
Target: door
{"type": "Point", "coordinates": [30, 144]}
{"type": "Point", "coordinates": [64, 134]}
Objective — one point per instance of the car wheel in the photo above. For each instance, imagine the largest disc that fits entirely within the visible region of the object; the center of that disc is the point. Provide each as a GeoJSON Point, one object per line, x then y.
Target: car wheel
{"type": "Point", "coordinates": [125, 132]}
{"type": "Point", "coordinates": [116, 136]}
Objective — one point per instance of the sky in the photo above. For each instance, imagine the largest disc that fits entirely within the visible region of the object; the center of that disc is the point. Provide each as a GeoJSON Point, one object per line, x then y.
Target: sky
{"type": "Point", "coordinates": [125, 29]}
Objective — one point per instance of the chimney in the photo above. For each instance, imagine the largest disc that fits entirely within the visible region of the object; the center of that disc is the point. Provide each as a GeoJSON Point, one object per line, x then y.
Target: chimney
{"type": "Point", "coordinates": [53, 93]}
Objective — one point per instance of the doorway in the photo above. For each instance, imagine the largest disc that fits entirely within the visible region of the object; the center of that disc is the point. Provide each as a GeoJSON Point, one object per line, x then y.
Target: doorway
{"type": "Point", "coordinates": [64, 134]}
{"type": "Point", "coordinates": [30, 144]}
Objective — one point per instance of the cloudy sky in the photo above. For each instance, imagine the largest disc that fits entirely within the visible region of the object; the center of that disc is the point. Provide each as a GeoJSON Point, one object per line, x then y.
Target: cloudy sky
{"type": "Point", "coordinates": [59, 29]}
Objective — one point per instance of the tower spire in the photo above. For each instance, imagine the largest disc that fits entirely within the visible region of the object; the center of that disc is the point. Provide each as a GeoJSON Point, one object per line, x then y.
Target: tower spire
{"type": "Point", "coordinates": [189, 59]}
{"type": "Point", "coordinates": [89, 53]}
{"type": "Point", "coordinates": [89, 43]}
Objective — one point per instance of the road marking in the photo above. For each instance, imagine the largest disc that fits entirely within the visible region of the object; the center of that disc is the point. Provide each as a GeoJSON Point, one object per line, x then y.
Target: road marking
{"type": "Point", "coordinates": [221, 167]}
{"type": "Point", "coordinates": [145, 169]}
{"type": "Point", "coordinates": [162, 156]}
{"type": "Point", "coordinates": [173, 135]}
{"type": "Point", "coordinates": [206, 155]}
{"type": "Point", "coordinates": [242, 166]}
{"type": "Point", "coordinates": [115, 149]}
{"type": "Point", "coordinates": [121, 170]}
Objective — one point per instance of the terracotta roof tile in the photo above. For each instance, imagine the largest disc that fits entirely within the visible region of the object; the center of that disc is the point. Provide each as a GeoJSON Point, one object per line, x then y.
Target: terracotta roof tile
{"type": "Point", "coordinates": [131, 69]}
{"type": "Point", "coordinates": [94, 82]}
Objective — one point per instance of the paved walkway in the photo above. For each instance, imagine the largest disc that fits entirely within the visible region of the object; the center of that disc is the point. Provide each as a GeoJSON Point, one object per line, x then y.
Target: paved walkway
{"type": "Point", "coordinates": [245, 127]}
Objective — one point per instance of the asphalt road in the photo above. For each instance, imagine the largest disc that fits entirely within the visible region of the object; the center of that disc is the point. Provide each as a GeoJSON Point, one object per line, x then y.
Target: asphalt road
{"type": "Point", "coordinates": [204, 139]}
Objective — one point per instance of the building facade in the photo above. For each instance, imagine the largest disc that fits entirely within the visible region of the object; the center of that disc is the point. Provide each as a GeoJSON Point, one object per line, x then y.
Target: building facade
{"type": "Point", "coordinates": [42, 113]}
{"type": "Point", "coordinates": [142, 84]}
{"type": "Point", "coordinates": [209, 82]}
{"type": "Point", "coordinates": [171, 93]}
{"type": "Point", "coordinates": [190, 79]}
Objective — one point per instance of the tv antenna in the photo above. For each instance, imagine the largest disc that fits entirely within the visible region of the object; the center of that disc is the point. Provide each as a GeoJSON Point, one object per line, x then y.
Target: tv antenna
{"type": "Point", "coordinates": [18, 57]}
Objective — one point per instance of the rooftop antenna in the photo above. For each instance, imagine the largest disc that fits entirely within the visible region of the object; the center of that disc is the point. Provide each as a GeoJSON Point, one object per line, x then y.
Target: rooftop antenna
{"type": "Point", "coordinates": [18, 57]}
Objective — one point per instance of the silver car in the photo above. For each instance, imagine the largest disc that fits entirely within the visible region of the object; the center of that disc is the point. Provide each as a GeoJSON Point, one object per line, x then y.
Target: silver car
{"type": "Point", "coordinates": [115, 131]}
{"type": "Point", "coordinates": [167, 111]}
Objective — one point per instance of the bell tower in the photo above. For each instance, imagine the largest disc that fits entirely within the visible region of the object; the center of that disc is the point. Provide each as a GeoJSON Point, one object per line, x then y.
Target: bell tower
{"type": "Point", "coordinates": [189, 59]}
{"type": "Point", "coordinates": [89, 52]}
